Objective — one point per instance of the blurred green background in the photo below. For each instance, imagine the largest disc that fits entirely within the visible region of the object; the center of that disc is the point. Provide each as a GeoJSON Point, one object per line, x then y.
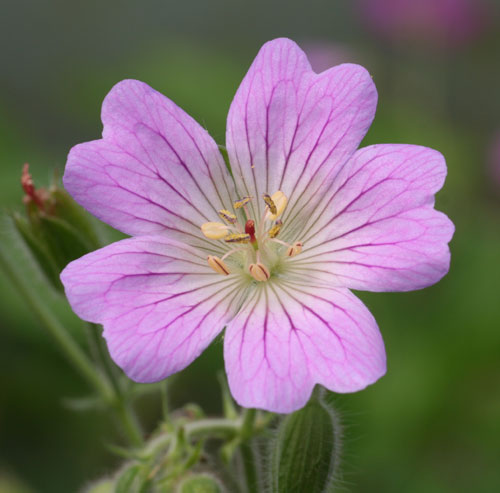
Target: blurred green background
{"type": "Point", "coordinates": [432, 424]}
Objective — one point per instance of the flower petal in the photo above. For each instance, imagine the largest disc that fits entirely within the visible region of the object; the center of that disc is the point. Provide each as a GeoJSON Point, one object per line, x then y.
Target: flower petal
{"type": "Point", "coordinates": [155, 168]}
{"type": "Point", "coordinates": [378, 230]}
{"type": "Point", "coordinates": [290, 336]}
{"type": "Point", "coordinates": [159, 302]}
{"type": "Point", "coordinates": [288, 127]}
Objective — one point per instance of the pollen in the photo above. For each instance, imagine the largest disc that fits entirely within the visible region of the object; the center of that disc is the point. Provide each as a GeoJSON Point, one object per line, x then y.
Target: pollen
{"type": "Point", "coordinates": [280, 200]}
{"type": "Point", "coordinates": [214, 231]}
{"type": "Point", "coordinates": [218, 265]}
{"type": "Point", "coordinates": [242, 202]}
{"type": "Point", "coordinates": [259, 272]}
{"type": "Point", "coordinates": [295, 249]}
{"type": "Point", "coordinates": [227, 216]}
{"type": "Point", "coordinates": [274, 231]}
{"type": "Point", "coordinates": [238, 238]}
{"type": "Point", "coordinates": [270, 203]}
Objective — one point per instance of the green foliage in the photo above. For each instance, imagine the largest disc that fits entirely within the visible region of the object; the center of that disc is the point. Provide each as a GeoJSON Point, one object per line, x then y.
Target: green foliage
{"type": "Point", "coordinates": [305, 451]}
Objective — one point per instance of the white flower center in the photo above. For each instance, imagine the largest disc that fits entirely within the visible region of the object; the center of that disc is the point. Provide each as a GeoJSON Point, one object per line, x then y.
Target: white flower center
{"type": "Point", "coordinates": [259, 253]}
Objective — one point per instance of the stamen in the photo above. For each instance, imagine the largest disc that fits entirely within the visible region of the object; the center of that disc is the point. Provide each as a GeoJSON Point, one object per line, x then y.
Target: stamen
{"type": "Point", "coordinates": [270, 203]}
{"type": "Point", "coordinates": [259, 272]}
{"type": "Point", "coordinates": [295, 249]}
{"type": "Point", "coordinates": [214, 231]}
{"type": "Point", "coordinates": [218, 265]}
{"type": "Point", "coordinates": [280, 201]}
{"type": "Point", "coordinates": [242, 202]}
{"type": "Point", "coordinates": [228, 216]}
{"type": "Point", "coordinates": [274, 231]}
{"type": "Point", "coordinates": [237, 238]}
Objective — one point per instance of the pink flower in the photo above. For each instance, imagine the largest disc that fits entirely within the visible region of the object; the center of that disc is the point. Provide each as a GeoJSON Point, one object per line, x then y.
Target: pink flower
{"type": "Point", "coordinates": [276, 269]}
{"type": "Point", "coordinates": [448, 23]}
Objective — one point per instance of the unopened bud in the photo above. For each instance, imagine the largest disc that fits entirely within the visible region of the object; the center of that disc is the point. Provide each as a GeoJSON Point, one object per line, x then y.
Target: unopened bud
{"type": "Point", "coordinates": [214, 230]}
{"type": "Point", "coordinates": [306, 449]}
{"type": "Point", "coordinates": [295, 249]}
{"type": "Point", "coordinates": [259, 272]}
{"type": "Point", "coordinates": [218, 265]}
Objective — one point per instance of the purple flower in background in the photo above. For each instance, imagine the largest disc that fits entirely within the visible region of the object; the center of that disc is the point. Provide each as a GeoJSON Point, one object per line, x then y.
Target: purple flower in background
{"type": "Point", "coordinates": [447, 23]}
{"type": "Point", "coordinates": [494, 160]}
{"type": "Point", "coordinates": [323, 55]}
{"type": "Point", "coordinates": [271, 254]}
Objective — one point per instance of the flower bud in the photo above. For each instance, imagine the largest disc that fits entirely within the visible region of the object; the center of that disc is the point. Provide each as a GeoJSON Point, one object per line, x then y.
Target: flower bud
{"type": "Point", "coordinates": [305, 452]}
{"type": "Point", "coordinates": [56, 230]}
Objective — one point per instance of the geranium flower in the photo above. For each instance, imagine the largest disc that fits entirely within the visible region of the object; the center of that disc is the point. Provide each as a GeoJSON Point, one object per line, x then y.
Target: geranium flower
{"type": "Point", "coordinates": [269, 251]}
{"type": "Point", "coordinates": [445, 23]}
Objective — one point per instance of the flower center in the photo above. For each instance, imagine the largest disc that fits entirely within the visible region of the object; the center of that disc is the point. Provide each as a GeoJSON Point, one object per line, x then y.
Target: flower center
{"type": "Point", "coordinates": [258, 251]}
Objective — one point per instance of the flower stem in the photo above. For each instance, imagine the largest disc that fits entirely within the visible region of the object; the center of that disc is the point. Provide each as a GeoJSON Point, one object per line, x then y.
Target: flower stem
{"type": "Point", "coordinates": [247, 452]}
{"type": "Point", "coordinates": [129, 423]}
{"type": "Point", "coordinates": [69, 347]}
{"type": "Point", "coordinates": [74, 353]}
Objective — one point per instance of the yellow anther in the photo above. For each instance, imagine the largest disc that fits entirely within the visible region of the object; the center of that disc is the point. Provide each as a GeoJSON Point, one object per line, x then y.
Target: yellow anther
{"type": "Point", "coordinates": [218, 265]}
{"type": "Point", "coordinates": [214, 231]}
{"type": "Point", "coordinates": [295, 249]}
{"type": "Point", "coordinates": [227, 216]}
{"type": "Point", "coordinates": [242, 202]}
{"type": "Point", "coordinates": [270, 203]}
{"type": "Point", "coordinates": [274, 231]}
{"type": "Point", "coordinates": [259, 272]}
{"type": "Point", "coordinates": [237, 238]}
{"type": "Point", "coordinates": [279, 200]}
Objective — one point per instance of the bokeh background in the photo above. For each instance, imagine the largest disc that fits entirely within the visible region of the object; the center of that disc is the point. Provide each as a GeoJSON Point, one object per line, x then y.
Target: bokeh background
{"type": "Point", "coordinates": [433, 423]}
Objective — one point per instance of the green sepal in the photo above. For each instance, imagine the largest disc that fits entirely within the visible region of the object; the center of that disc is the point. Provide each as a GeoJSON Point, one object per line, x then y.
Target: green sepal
{"type": "Point", "coordinates": [39, 250]}
{"type": "Point", "coordinates": [305, 450]}
{"type": "Point", "coordinates": [69, 211]}
{"type": "Point", "coordinates": [64, 241]}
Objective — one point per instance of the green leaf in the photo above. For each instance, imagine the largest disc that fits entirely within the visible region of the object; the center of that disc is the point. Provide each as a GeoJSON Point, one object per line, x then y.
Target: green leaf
{"type": "Point", "coordinates": [305, 451]}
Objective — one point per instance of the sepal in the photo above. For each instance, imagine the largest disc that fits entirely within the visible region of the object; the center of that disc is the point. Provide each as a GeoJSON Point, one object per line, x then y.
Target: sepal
{"type": "Point", "coordinates": [306, 448]}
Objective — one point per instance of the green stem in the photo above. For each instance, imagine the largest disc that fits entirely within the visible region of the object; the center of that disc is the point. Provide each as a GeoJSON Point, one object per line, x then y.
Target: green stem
{"type": "Point", "coordinates": [250, 467]}
{"type": "Point", "coordinates": [247, 427]}
{"type": "Point", "coordinates": [70, 348]}
{"type": "Point", "coordinates": [227, 428]}
{"type": "Point", "coordinates": [130, 423]}
{"type": "Point", "coordinates": [74, 353]}
{"type": "Point", "coordinates": [247, 453]}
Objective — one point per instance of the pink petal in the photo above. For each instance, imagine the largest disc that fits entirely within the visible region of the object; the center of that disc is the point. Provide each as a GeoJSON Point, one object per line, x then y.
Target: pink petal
{"type": "Point", "coordinates": [290, 336]}
{"type": "Point", "coordinates": [154, 169]}
{"type": "Point", "coordinates": [160, 304]}
{"type": "Point", "coordinates": [288, 127]}
{"type": "Point", "coordinates": [378, 230]}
